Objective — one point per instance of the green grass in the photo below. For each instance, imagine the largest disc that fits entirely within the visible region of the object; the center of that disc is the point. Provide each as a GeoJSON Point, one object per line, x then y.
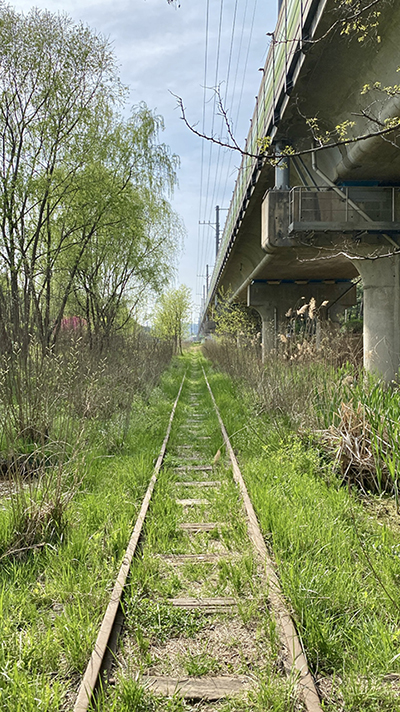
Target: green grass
{"type": "Point", "coordinates": [52, 599]}
{"type": "Point", "coordinates": [339, 567]}
{"type": "Point", "coordinates": [153, 624]}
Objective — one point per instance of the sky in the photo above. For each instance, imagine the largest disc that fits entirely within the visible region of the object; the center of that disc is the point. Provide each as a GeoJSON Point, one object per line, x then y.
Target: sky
{"type": "Point", "coordinates": [187, 50]}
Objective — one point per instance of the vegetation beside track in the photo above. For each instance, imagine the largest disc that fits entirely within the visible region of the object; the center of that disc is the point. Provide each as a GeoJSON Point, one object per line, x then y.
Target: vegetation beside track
{"type": "Point", "coordinates": [53, 597]}
{"type": "Point", "coordinates": [338, 561]}
{"type": "Point", "coordinates": [339, 565]}
{"type": "Point", "coordinates": [162, 640]}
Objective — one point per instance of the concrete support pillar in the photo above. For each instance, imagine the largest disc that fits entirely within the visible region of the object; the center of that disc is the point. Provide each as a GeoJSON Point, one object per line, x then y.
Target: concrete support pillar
{"type": "Point", "coordinates": [268, 316]}
{"type": "Point", "coordinates": [381, 280]}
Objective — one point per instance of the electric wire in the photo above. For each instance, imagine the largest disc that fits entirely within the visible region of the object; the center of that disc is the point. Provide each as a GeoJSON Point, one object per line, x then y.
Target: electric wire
{"type": "Point", "coordinates": [214, 105]}
{"type": "Point", "coordinates": [243, 81]}
{"type": "Point", "coordinates": [225, 94]}
{"type": "Point", "coordinates": [228, 172]}
{"type": "Point", "coordinates": [221, 151]}
{"type": "Point", "coordinates": [207, 24]}
{"type": "Point", "coordinates": [213, 168]}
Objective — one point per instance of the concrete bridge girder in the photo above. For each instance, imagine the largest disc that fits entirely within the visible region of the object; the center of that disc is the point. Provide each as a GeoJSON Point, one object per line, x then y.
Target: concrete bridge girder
{"type": "Point", "coordinates": [330, 88]}
{"type": "Point", "coordinates": [243, 262]}
{"type": "Point", "coordinates": [373, 256]}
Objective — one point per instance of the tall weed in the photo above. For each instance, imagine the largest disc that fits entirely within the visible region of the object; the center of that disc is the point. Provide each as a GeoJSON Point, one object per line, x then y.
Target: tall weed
{"type": "Point", "coordinates": [313, 389]}
{"type": "Point", "coordinates": [53, 407]}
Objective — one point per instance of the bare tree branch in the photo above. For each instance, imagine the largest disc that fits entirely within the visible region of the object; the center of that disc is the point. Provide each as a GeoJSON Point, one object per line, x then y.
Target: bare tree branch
{"type": "Point", "coordinates": [271, 156]}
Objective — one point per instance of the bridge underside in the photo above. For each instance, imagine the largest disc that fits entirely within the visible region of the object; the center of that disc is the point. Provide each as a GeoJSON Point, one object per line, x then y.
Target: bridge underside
{"type": "Point", "coordinates": [325, 217]}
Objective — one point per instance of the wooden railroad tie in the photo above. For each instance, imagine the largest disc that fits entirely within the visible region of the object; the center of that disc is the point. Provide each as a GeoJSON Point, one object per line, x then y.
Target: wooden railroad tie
{"type": "Point", "coordinates": [206, 468]}
{"type": "Point", "coordinates": [194, 558]}
{"type": "Point", "coordinates": [200, 688]}
{"type": "Point", "coordinates": [199, 483]}
{"type": "Point", "coordinates": [199, 526]}
{"type": "Point", "coordinates": [207, 605]}
{"type": "Point", "coordinates": [190, 457]}
{"type": "Point", "coordinates": [191, 502]}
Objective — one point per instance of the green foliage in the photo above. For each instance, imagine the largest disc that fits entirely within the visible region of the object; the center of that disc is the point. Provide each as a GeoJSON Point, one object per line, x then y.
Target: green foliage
{"type": "Point", "coordinates": [131, 252]}
{"type": "Point", "coordinates": [234, 319]}
{"type": "Point", "coordinates": [359, 19]}
{"type": "Point", "coordinates": [171, 316]}
{"type": "Point", "coordinates": [83, 192]}
{"type": "Point", "coordinates": [353, 325]}
{"type": "Point", "coordinates": [52, 598]}
{"type": "Point", "coordinates": [157, 622]}
{"type": "Point", "coordinates": [339, 567]}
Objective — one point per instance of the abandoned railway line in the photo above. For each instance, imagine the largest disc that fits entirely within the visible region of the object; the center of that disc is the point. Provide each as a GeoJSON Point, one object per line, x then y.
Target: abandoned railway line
{"type": "Point", "coordinates": [196, 611]}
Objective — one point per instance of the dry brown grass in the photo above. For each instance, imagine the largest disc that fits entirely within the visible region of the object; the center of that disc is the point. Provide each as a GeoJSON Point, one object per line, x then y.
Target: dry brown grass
{"type": "Point", "coordinates": [299, 379]}
{"type": "Point", "coordinates": [54, 407]}
{"type": "Point", "coordinates": [359, 453]}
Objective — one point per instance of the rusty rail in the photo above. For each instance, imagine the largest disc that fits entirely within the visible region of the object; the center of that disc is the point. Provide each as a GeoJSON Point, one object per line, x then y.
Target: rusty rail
{"type": "Point", "coordinates": [288, 634]}
{"type": "Point", "coordinates": [109, 629]}
{"type": "Point", "coordinates": [106, 632]}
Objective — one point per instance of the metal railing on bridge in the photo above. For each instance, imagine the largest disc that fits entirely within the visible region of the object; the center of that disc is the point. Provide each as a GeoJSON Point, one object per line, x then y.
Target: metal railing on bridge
{"type": "Point", "coordinates": [346, 209]}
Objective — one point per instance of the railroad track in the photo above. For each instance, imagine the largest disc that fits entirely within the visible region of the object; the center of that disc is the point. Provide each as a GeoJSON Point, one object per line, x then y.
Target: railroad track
{"type": "Point", "coordinates": [202, 615]}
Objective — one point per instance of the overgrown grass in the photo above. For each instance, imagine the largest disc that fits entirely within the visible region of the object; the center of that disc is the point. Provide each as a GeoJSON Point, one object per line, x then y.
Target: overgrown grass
{"type": "Point", "coordinates": [52, 597]}
{"type": "Point", "coordinates": [55, 408]}
{"type": "Point", "coordinates": [180, 642]}
{"type": "Point", "coordinates": [340, 568]}
{"type": "Point", "coordinates": [353, 415]}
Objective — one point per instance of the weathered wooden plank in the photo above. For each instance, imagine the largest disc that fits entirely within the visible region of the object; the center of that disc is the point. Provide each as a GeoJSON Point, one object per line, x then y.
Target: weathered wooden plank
{"type": "Point", "coordinates": [191, 502]}
{"type": "Point", "coordinates": [193, 558]}
{"type": "Point", "coordinates": [189, 457]}
{"type": "Point", "coordinates": [209, 605]}
{"type": "Point", "coordinates": [206, 468]}
{"type": "Point", "coordinates": [199, 483]}
{"type": "Point", "coordinates": [197, 688]}
{"type": "Point", "coordinates": [199, 526]}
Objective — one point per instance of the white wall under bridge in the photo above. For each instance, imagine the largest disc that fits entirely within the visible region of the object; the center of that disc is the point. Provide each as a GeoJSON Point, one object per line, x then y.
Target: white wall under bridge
{"type": "Point", "coordinates": [336, 214]}
{"type": "Point", "coordinates": [274, 299]}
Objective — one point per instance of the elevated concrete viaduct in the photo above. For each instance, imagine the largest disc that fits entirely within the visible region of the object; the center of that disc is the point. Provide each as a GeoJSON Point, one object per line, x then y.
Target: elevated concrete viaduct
{"type": "Point", "coordinates": [311, 224]}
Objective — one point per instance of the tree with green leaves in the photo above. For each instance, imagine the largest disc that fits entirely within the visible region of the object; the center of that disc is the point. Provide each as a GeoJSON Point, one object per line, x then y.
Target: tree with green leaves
{"type": "Point", "coordinates": [131, 255]}
{"type": "Point", "coordinates": [234, 320]}
{"type": "Point", "coordinates": [171, 316]}
{"type": "Point", "coordinates": [83, 193]}
{"type": "Point", "coordinates": [56, 79]}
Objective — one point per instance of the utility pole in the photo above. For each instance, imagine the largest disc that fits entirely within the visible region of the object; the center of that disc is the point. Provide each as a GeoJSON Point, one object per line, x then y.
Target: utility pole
{"type": "Point", "coordinates": [206, 279]}
{"type": "Point", "coordinates": [216, 230]}
{"type": "Point", "coordinates": [216, 226]}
